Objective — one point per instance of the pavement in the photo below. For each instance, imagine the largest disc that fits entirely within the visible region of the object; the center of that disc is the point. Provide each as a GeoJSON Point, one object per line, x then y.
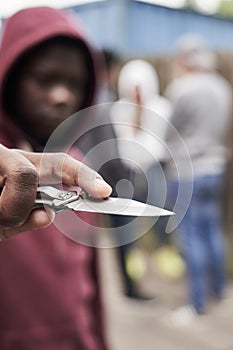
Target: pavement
{"type": "Point", "coordinates": [156, 324]}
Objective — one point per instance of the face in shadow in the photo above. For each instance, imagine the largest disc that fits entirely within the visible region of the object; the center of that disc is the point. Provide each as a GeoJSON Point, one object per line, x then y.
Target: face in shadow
{"type": "Point", "coordinates": [52, 83]}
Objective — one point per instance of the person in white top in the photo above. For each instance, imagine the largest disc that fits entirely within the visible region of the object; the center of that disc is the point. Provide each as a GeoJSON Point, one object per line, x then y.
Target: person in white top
{"type": "Point", "coordinates": [140, 118]}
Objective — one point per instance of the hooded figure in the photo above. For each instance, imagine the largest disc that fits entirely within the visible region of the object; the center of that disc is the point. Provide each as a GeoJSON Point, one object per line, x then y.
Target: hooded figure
{"type": "Point", "coordinates": [49, 295]}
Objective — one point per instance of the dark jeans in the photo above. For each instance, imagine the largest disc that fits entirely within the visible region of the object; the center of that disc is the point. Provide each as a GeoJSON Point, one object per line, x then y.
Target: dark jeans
{"type": "Point", "coordinates": [202, 239]}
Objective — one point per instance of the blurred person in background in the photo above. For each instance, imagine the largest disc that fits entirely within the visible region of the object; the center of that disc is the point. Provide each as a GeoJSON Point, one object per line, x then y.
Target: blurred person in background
{"type": "Point", "coordinates": [50, 292]}
{"type": "Point", "coordinates": [140, 118]}
{"type": "Point", "coordinates": [202, 112]}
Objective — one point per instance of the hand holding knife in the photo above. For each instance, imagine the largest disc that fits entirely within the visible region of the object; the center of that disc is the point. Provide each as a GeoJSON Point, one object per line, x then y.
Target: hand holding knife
{"type": "Point", "coordinates": [19, 176]}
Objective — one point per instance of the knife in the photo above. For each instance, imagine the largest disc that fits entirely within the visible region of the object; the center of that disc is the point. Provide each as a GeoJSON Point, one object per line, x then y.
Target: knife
{"type": "Point", "coordinates": [60, 200]}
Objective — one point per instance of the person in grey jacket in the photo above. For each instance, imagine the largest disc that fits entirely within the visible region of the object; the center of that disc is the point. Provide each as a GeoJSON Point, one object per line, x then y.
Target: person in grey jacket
{"type": "Point", "coordinates": [202, 107]}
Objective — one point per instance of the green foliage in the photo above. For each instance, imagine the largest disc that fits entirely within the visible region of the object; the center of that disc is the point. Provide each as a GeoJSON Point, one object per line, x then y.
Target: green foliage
{"type": "Point", "coordinates": [225, 8]}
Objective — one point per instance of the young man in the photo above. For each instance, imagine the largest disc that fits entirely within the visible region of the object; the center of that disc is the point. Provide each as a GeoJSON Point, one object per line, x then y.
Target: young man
{"type": "Point", "coordinates": [49, 295]}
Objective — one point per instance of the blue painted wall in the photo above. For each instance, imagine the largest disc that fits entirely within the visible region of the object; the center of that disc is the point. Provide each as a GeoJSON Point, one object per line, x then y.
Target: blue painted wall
{"type": "Point", "coordinates": [135, 29]}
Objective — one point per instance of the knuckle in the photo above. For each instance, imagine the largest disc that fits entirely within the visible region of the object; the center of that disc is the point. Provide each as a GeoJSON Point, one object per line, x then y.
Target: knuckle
{"type": "Point", "coordinates": [63, 157]}
{"type": "Point", "coordinates": [25, 175]}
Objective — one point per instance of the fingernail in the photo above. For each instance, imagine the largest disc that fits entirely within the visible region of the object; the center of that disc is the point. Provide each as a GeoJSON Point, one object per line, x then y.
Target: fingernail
{"type": "Point", "coordinates": [101, 182]}
{"type": "Point", "coordinates": [104, 186]}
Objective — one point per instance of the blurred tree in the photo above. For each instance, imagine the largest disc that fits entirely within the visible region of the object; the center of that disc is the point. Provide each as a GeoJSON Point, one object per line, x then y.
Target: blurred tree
{"type": "Point", "coordinates": [226, 8]}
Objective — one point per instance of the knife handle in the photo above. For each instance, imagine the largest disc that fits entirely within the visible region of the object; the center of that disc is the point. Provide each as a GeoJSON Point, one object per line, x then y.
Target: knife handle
{"type": "Point", "coordinates": [54, 198]}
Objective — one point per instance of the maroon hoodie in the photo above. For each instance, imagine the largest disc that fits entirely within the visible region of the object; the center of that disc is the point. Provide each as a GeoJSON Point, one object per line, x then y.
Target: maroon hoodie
{"type": "Point", "coordinates": [49, 292]}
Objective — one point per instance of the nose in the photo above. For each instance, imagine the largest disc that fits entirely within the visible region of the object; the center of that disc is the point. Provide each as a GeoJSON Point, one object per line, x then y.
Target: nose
{"type": "Point", "coordinates": [60, 95]}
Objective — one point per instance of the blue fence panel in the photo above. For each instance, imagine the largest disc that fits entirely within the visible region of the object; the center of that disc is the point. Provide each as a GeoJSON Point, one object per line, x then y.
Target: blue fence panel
{"type": "Point", "coordinates": [96, 19]}
{"type": "Point", "coordinates": [134, 28]}
{"type": "Point", "coordinates": [154, 29]}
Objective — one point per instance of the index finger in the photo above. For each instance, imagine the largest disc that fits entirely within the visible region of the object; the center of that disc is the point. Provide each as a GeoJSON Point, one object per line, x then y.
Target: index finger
{"type": "Point", "coordinates": [61, 168]}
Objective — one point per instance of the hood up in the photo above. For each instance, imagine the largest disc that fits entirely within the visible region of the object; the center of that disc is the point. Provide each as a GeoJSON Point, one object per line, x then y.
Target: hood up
{"type": "Point", "coordinates": [24, 30]}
